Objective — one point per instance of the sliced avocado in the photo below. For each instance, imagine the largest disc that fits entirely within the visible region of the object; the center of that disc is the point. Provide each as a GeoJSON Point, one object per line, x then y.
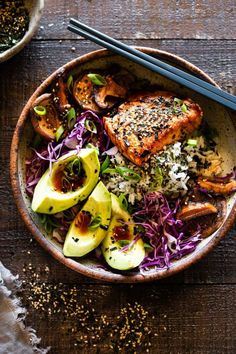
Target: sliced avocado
{"type": "Point", "coordinates": [48, 197]}
{"type": "Point", "coordinates": [121, 233]}
{"type": "Point", "coordinates": [90, 225]}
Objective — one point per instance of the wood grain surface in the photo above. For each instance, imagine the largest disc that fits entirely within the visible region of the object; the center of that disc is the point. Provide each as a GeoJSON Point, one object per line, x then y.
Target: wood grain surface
{"type": "Point", "coordinates": [190, 313]}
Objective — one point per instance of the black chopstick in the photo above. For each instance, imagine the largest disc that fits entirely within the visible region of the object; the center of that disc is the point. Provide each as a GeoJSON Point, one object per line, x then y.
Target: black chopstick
{"type": "Point", "coordinates": [154, 64]}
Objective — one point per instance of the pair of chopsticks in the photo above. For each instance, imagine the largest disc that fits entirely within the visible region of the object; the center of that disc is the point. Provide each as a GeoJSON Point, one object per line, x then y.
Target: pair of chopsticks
{"type": "Point", "coordinates": [154, 64]}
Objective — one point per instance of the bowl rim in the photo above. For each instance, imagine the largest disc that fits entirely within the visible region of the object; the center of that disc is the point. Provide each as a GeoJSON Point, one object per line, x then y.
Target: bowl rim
{"type": "Point", "coordinates": [15, 49]}
{"type": "Point", "coordinates": [45, 243]}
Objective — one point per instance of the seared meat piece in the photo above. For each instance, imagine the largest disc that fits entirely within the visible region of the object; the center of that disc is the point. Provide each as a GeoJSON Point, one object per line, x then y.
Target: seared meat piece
{"type": "Point", "coordinates": [149, 121]}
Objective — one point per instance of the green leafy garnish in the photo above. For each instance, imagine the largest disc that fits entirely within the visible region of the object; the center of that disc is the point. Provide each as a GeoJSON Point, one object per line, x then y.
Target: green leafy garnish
{"type": "Point", "coordinates": [179, 103]}
{"type": "Point", "coordinates": [97, 79]}
{"type": "Point", "coordinates": [192, 142]}
{"type": "Point", "coordinates": [184, 108]}
{"type": "Point", "coordinates": [71, 118]}
{"type": "Point", "coordinates": [90, 126]}
{"type": "Point", "coordinates": [148, 248]}
{"type": "Point", "coordinates": [123, 202]}
{"type": "Point", "coordinates": [40, 110]}
{"type": "Point", "coordinates": [105, 164]}
{"type": "Point", "coordinates": [73, 168]}
{"type": "Point", "coordinates": [95, 222]}
{"type": "Point", "coordinates": [48, 223]}
{"type": "Point", "coordinates": [128, 174]}
{"type": "Point", "coordinates": [123, 243]}
{"type": "Point", "coordinates": [59, 132]}
{"type": "Point", "coordinates": [70, 82]}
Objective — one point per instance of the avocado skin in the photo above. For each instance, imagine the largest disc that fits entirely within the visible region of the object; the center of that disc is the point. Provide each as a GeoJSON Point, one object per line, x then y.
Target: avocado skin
{"type": "Point", "coordinates": [111, 249]}
{"type": "Point", "coordinates": [98, 203]}
{"type": "Point", "coordinates": [49, 201]}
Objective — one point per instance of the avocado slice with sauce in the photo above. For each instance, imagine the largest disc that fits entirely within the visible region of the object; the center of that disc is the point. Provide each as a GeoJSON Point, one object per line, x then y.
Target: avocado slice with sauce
{"type": "Point", "coordinates": [90, 225]}
{"type": "Point", "coordinates": [57, 191]}
{"type": "Point", "coordinates": [115, 247]}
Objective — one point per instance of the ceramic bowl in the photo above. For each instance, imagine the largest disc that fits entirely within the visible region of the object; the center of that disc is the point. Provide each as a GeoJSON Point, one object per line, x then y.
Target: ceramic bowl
{"type": "Point", "coordinates": [35, 8]}
{"type": "Point", "coordinates": [216, 115]}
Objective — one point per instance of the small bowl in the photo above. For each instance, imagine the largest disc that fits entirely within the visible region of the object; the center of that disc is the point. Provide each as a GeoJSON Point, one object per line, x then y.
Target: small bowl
{"type": "Point", "coordinates": [217, 116]}
{"type": "Point", "coordinates": [35, 9]}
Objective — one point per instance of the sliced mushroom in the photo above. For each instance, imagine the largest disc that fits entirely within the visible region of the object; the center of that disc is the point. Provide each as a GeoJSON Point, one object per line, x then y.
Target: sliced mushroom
{"type": "Point", "coordinates": [45, 124]}
{"type": "Point", "coordinates": [84, 94]}
{"type": "Point", "coordinates": [194, 210]}
{"type": "Point", "coordinates": [60, 95]}
{"type": "Point", "coordinates": [106, 96]}
{"type": "Point", "coordinates": [209, 223]}
{"type": "Point", "coordinates": [217, 187]}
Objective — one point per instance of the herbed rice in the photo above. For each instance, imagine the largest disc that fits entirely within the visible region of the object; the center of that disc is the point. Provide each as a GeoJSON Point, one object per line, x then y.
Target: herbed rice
{"type": "Point", "coordinates": [169, 171]}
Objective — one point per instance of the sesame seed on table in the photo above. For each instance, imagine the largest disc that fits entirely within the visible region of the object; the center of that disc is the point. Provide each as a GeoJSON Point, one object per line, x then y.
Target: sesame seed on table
{"type": "Point", "coordinates": [190, 313]}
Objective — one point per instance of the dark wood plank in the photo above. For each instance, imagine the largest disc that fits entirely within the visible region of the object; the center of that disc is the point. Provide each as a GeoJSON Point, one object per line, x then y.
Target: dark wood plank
{"type": "Point", "coordinates": [180, 319]}
{"type": "Point", "coordinates": [143, 19]}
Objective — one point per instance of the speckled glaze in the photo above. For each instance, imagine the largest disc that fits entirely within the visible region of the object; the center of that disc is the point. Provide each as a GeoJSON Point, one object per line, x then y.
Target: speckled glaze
{"type": "Point", "coordinates": [218, 117]}
{"type": "Point", "coordinates": [35, 8]}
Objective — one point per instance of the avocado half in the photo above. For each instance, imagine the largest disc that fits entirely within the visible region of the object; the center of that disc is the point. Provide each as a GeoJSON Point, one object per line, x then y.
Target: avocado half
{"type": "Point", "coordinates": [48, 200]}
{"type": "Point", "coordinates": [112, 249]}
{"type": "Point", "coordinates": [81, 239]}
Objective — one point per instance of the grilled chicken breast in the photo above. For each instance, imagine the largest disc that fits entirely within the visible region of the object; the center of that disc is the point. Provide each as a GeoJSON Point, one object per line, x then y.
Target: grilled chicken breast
{"type": "Point", "coordinates": [149, 121]}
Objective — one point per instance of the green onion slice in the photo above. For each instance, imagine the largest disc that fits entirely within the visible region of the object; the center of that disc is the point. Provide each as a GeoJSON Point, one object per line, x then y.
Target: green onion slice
{"type": "Point", "coordinates": [70, 82]}
{"type": "Point", "coordinates": [110, 171]}
{"type": "Point", "coordinates": [97, 79]}
{"type": "Point", "coordinates": [192, 142]}
{"type": "Point", "coordinates": [105, 164]}
{"type": "Point", "coordinates": [123, 201]}
{"type": "Point", "coordinates": [59, 132]}
{"type": "Point", "coordinates": [148, 248]}
{"type": "Point", "coordinates": [71, 118]}
{"type": "Point", "coordinates": [123, 243]}
{"type": "Point", "coordinates": [90, 126]}
{"type": "Point", "coordinates": [40, 110]}
{"type": "Point", "coordinates": [128, 174]}
{"type": "Point", "coordinates": [184, 108]}
{"type": "Point", "coordinates": [95, 222]}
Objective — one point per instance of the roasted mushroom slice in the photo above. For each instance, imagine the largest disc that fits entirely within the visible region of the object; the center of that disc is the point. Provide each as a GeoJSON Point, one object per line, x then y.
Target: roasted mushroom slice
{"type": "Point", "coordinates": [217, 187]}
{"type": "Point", "coordinates": [194, 210]}
{"type": "Point", "coordinates": [60, 96]}
{"type": "Point", "coordinates": [209, 217]}
{"type": "Point", "coordinates": [44, 117]}
{"type": "Point", "coordinates": [106, 96]}
{"type": "Point", "coordinates": [84, 94]}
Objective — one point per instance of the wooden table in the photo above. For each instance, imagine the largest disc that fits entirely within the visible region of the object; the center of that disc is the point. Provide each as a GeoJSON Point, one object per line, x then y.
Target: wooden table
{"type": "Point", "coordinates": [193, 312]}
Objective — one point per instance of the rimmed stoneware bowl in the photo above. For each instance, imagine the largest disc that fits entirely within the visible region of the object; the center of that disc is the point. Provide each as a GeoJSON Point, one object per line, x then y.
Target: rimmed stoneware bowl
{"type": "Point", "coordinates": [217, 116]}
{"type": "Point", "coordinates": [35, 8]}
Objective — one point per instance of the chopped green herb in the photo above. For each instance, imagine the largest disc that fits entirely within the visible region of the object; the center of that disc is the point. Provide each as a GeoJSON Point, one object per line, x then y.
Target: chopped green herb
{"type": "Point", "coordinates": [192, 142]}
{"type": "Point", "coordinates": [95, 222]}
{"type": "Point", "coordinates": [148, 248]}
{"type": "Point", "coordinates": [184, 108]}
{"type": "Point", "coordinates": [111, 171]}
{"type": "Point", "coordinates": [71, 118]}
{"type": "Point", "coordinates": [90, 126]}
{"type": "Point", "coordinates": [40, 110]}
{"type": "Point", "coordinates": [59, 132]}
{"type": "Point", "coordinates": [97, 79]}
{"type": "Point", "coordinates": [128, 174]}
{"type": "Point", "coordinates": [70, 82]}
{"type": "Point", "coordinates": [123, 201]}
{"type": "Point", "coordinates": [105, 164]}
{"type": "Point", "coordinates": [123, 243]}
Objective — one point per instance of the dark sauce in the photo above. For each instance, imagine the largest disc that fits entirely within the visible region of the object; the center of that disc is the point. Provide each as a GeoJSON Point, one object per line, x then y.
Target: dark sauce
{"type": "Point", "coordinates": [82, 221]}
{"type": "Point", "coordinates": [121, 232]}
{"type": "Point", "coordinates": [62, 183]}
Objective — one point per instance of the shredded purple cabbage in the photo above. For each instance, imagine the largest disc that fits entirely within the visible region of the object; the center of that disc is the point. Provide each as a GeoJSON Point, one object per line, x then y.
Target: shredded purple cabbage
{"type": "Point", "coordinates": [165, 233]}
{"type": "Point", "coordinates": [76, 139]}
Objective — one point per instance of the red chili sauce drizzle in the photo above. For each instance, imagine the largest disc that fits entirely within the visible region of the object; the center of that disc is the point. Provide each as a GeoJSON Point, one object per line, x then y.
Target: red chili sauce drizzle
{"type": "Point", "coordinates": [63, 184]}
{"type": "Point", "coordinates": [121, 232]}
{"type": "Point", "coordinates": [82, 221]}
